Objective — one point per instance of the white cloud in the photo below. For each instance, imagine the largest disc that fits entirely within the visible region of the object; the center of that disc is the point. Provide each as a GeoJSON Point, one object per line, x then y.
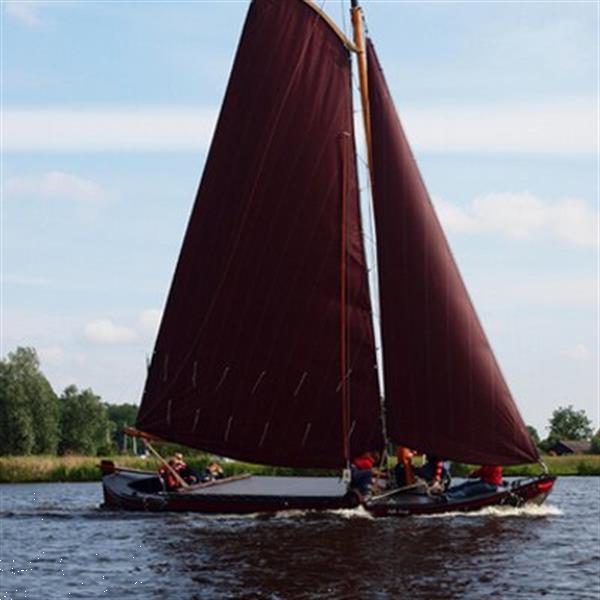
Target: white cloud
{"type": "Point", "coordinates": [106, 129]}
{"type": "Point", "coordinates": [562, 127]}
{"type": "Point", "coordinates": [57, 184]}
{"type": "Point", "coordinates": [104, 331]}
{"type": "Point", "coordinates": [23, 11]}
{"type": "Point", "coordinates": [149, 320]}
{"type": "Point", "coordinates": [564, 292]}
{"type": "Point", "coordinates": [453, 218]}
{"type": "Point", "coordinates": [522, 216]}
{"type": "Point", "coordinates": [578, 352]}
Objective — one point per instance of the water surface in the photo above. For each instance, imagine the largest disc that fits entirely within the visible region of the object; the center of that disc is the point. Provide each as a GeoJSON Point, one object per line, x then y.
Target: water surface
{"type": "Point", "coordinates": [57, 543]}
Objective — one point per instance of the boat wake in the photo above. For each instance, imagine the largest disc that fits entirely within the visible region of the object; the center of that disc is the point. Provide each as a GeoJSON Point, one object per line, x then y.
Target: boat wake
{"type": "Point", "coordinates": [528, 510]}
{"type": "Point", "coordinates": [353, 513]}
{"type": "Point", "coordinates": [345, 513]}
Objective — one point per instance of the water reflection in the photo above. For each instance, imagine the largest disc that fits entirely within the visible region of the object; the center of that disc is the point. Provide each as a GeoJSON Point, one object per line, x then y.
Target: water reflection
{"type": "Point", "coordinates": [313, 555]}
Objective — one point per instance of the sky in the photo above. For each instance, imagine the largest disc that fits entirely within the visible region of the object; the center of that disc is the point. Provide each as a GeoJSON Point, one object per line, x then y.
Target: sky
{"type": "Point", "coordinates": [108, 110]}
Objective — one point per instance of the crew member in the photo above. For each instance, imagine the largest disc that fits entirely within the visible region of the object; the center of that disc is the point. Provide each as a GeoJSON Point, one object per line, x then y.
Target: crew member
{"type": "Point", "coordinates": [435, 472]}
{"type": "Point", "coordinates": [403, 471]}
{"type": "Point", "coordinates": [186, 473]}
{"type": "Point", "coordinates": [171, 482]}
{"type": "Point", "coordinates": [485, 480]}
{"type": "Point", "coordinates": [362, 473]}
{"type": "Point", "coordinates": [213, 472]}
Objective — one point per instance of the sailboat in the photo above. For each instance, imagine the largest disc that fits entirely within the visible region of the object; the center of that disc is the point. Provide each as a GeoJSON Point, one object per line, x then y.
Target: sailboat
{"type": "Point", "coordinates": [266, 351]}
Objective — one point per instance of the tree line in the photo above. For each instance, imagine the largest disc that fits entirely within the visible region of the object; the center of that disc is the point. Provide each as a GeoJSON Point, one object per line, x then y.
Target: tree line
{"type": "Point", "coordinates": [567, 423]}
{"type": "Point", "coordinates": [34, 420]}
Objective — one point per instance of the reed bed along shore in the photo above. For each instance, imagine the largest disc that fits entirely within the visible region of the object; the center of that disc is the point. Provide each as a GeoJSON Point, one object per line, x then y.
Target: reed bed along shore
{"type": "Point", "coordinates": [29, 469]}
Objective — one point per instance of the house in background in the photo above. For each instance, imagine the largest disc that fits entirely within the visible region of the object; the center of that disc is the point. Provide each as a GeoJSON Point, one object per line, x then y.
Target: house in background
{"type": "Point", "coordinates": [563, 447]}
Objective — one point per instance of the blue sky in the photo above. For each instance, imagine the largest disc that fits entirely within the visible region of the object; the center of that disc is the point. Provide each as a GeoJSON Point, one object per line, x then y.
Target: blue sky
{"type": "Point", "coordinates": [107, 112]}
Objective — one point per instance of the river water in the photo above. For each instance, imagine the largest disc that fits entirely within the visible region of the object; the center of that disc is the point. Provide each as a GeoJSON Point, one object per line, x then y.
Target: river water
{"type": "Point", "coordinates": [57, 543]}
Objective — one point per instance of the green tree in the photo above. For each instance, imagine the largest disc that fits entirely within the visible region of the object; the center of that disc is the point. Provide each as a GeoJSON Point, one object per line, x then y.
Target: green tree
{"type": "Point", "coordinates": [535, 436]}
{"type": "Point", "coordinates": [121, 415]}
{"type": "Point", "coordinates": [28, 406]}
{"type": "Point", "coordinates": [595, 447]}
{"type": "Point", "coordinates": [569, 424]}
{"type": "Point", "coordinates": [16, 430]}
{"type": "Point", "coordinates": [84, 424]}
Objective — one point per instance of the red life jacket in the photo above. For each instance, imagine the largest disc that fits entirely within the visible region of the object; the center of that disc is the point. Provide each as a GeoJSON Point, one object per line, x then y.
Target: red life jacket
{"type": "Point", "coordinates": [168, 477]}
{"type": "Point", "coordinates": [491, 474]}
{"type": "Point", "coordinates": [364, 462]}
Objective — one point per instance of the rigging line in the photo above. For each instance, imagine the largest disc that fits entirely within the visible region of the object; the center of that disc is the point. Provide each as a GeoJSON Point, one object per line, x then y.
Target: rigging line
{"type": "Point", "coordinates": [344, 24]}
{"type": "Point", "coordinates": [373, 279]}
{"type": "Point", "coordinates": [343, 291]}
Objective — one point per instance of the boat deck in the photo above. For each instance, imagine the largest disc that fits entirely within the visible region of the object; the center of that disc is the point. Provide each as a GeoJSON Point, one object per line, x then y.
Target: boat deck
{"type": "Point", "coordinates": [274, 486]}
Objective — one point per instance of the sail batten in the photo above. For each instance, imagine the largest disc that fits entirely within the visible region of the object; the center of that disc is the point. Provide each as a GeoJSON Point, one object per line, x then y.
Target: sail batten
{"type": "Point", "coordinates": [252, 324]}
{"type": "Point", "coordinates": [445, 394]}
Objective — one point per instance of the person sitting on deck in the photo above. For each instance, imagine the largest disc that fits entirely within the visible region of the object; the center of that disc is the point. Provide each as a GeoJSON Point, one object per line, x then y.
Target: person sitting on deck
{"type": "Point", "coordinates": [362, 473]}
{"type": "Point", "coordinates": [167, 476]}
{"type": "Point", "coordinates": [403, 471]}
{"type": "Point", "coordinates": [213, 472]}
{"type": "Point", "coordinates": [435, 472]}
{"type": "Point", "coordinates": [185, 472]}
{"type": "Point", "coordinates": [484, 480]}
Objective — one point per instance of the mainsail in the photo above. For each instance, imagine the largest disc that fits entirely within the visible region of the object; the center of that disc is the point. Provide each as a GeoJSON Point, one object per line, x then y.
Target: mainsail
{"type": "Point", "coordinates": [271, 280]}
{"type": "Point", "coordinates": [445, 394]}
{"type": "Point", "coordinates": [266, 348]}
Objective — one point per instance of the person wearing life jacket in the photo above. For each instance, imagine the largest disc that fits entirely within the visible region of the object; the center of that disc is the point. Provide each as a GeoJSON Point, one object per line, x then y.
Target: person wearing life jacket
{"type": "Point", "coordinates": [485, 480]}
{"type": "Point", "coordinates": [178, 465]}
{"type": "Point", "coordinates": [403, 471]}
{"type": "Point", "coordinates": [186, 473]}
{"type": "Point", "coordinates": [435, 472]}
{"type": "Point", "coordinates": [362, 473]}
{"type": "Point", "coordinates": [170, 481]}
{"type": "Point", "coordinates": [213, 472]}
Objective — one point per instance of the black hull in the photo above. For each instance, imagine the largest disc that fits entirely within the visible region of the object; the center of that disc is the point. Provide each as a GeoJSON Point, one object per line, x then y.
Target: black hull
{"type": "Point", "coordinates": [518, 493]}
{"type": "Point", "coordinates": [140, 491]}
{"type": "Point", "coordinates": [130, 490]}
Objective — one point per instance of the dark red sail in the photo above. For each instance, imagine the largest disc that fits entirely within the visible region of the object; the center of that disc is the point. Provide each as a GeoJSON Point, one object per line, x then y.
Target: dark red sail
{"type": "Point", "coordinates": [445, 394]}
{"type": "Point", "coordinates": [248, 361]}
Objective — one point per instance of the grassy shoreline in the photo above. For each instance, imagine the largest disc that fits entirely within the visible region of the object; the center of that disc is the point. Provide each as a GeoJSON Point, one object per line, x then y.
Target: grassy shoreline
{"type": "Point", "coordinates": [33, 469]}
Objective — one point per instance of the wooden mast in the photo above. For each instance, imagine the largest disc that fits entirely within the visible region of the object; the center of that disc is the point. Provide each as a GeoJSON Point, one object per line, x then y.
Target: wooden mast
{"type": "Point", "coordinates": [361, 54]}
{"type": "Point", "coordinates": [359, 42]}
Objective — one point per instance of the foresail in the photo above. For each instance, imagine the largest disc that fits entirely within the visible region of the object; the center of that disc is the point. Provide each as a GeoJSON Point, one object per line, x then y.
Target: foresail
{"type": "Point", "coordinates": [445, 394]}
{"type": "Point", "coordinates": [247, 361]}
